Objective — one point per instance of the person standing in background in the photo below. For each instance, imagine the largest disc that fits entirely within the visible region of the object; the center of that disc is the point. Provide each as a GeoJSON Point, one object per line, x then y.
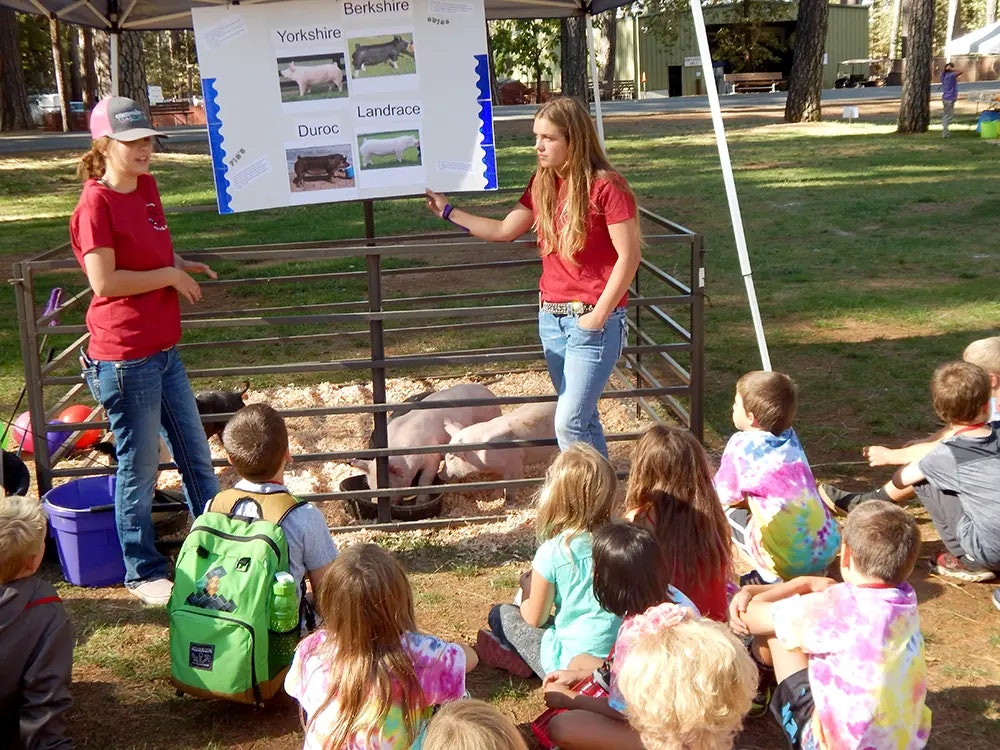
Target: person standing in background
{"type": "Point", "coordinates": [949, 95]}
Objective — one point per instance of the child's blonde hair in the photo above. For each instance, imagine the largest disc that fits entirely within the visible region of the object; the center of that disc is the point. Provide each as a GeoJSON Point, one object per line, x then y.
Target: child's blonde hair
{"type": "Point", "coordinates": [688, 686]}
{"type": "Point", "coordinates": [472, 725]}
{"type": "Point", "coordinates": [366, 605]}
{"type": "Point", "coordinates": [579, 493]}
{"type": "Point", "coordinates": [985, 353]}
{"type": "Point", "coordinates": [22, 531]}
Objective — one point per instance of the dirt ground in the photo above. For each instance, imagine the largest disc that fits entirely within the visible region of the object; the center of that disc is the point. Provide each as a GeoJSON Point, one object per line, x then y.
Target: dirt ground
{"type": "Point", "coordinates": [122, 694]}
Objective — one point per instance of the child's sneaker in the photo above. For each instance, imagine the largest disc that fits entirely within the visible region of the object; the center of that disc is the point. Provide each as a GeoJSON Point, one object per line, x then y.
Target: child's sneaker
{"type": "Point", "coordinates": [950, 566]}
{"type": "Point", "coordinates": [753, 578]}
{"type": "Point", "coordinates": [996, 598]}
{"type": "Point", "coordinates": [493, 653]}
{"type": "Point", "coordinates": [838, 501]}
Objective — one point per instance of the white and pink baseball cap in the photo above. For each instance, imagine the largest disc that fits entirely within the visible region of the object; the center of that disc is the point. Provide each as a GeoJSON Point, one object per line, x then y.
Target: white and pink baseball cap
{"type": "Point", "coordinates": [122, 119]}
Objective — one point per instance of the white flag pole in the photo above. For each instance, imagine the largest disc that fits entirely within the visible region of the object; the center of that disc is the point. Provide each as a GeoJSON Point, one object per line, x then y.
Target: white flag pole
{"type": "Point", "coordinates": [727, 175]}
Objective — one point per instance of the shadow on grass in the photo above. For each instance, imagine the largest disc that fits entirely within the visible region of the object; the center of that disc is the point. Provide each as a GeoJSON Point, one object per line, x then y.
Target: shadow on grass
{"type": "Point", "coordinates": [148, 715]}
{"type": "Point", "coordinates": [969, 718]}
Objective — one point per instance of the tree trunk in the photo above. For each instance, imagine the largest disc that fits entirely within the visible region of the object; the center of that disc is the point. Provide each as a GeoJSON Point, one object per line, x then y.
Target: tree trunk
{"type": "Point", "coordinates": [14, 114]}
{"type": "Point", "coordinates": [57, 63]}
{"type": "Point", "coordinates": [610, 26]}
{"type": "Point", "coordinates": [494, 89]}
{"type": "Point", "coordinates": [89, 70]}
{"type": "Point", "coordinates": [915, 102]}
{"type": "Point", "coordinates": [132, 72]}
{"type": "Point", "coordinates": [102, 63]}
{"type": "Point", "coordinates": [805, 81]}
{"type": "Point", "coordinates": [574, 57]}
{"type": "Point", "coordinates": [75, 65]}
{"type": "Point", "coordinates": [991, 11]}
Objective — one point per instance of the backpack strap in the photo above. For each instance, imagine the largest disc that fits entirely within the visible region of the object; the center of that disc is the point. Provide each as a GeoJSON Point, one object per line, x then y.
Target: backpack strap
{"type": "Point", "coordinates": [271, 506]}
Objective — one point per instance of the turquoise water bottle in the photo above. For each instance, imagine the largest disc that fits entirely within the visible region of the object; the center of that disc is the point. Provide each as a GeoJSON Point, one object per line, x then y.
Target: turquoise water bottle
{"type": "Point", "coordinates": [283, 624]}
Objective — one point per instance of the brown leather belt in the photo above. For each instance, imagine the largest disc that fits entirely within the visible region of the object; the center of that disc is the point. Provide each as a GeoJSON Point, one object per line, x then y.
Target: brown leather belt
{"type": "Point", "coordinates": [566, 308]}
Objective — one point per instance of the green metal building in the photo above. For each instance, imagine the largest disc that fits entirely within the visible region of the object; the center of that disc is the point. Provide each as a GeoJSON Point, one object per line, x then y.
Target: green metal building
{"type": "Point", "coordinates": [677, 69]}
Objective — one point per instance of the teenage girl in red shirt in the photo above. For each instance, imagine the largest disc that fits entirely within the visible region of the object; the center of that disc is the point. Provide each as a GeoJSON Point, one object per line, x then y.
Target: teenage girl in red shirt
{"type": "Point", "coordinates": [584, 215]}
{"type": "Point", "coordinates": [120, 238]}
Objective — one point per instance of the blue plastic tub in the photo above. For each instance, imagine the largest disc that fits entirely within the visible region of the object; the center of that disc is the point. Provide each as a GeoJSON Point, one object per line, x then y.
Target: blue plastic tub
{"type": "Point", "coordinates": [82, 516]}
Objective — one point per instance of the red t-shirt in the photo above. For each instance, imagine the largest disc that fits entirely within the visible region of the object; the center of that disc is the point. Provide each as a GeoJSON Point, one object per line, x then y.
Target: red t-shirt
{"type": "Point", "coordinates": [134, 226]}
{"type": "Point", "coordinates": [562, 281]}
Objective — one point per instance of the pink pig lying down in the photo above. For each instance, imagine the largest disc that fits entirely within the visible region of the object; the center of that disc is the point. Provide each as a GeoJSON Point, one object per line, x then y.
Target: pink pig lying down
{"type": "Point", "coordinates": [427, 427]}
{"type": "Point", "coordinates": [528, 422]}
{"type": "Point", "coordinates": [315, 75]}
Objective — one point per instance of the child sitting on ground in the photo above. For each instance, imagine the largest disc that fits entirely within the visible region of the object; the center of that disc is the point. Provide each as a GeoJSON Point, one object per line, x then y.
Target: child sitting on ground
{"type": "Point", "coordinates": [670, 492]}
{"type": "Point", "coordinates": [367, 679]}
{"type": "Point", "coordinates": [36, 649]}
{"type": "Point", "coordinates": [472, 725]}
{"type": "Point", "coordinates": [767, 487]}
{"type": "Point", "coordinates": [982, 352]}
{"type": "Point", "coordinates": [620, 550]}
{"type": "Point", "coordinates": [849, 657]}
{"type": "Point", "coordinates": [576, 501]}
{"type": "Point", "coordinates": [958, 481]}
{"type": "Point", "coordinates": [688, 685]}
{"type": "Point", "coordinates": [256, 442]}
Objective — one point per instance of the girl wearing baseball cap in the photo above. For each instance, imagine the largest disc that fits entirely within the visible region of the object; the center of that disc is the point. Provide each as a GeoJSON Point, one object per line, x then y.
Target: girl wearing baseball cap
{"type": "Point", "coordinates": [120, 238]}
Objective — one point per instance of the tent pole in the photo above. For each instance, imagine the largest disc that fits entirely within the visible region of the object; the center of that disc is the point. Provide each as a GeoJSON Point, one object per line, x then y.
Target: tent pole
{"type": "Point", "coordinates": [599, 116]}
{"type": "Point", "coordinates": [727, 176]}
{"type": "Point", "coordinates": [113, 45]}
{"type": "Point", "coordinates": [952, 11]}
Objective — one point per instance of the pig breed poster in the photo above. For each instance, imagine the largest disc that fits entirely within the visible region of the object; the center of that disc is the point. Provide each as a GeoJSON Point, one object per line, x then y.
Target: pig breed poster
{"type": "Point", "coordinates": [316, 102]}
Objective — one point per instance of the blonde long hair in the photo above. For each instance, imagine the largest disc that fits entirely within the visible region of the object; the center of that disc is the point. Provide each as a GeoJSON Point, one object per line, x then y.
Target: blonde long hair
{"type": "Point", "coordinates": [366, 604]}
{"type": "Point", "coordinates": [670, 491]}
{"type": "Point", "coordinates": [578, 495]}
{"type": "Point", "coordinates": [561, 226]}
{"type": "Point", "coordinates": [93, 163]}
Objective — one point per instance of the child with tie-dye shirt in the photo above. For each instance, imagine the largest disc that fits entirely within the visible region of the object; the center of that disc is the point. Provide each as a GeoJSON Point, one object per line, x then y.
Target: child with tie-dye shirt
{"type": "Point", "coordinates": [367, 679]}
{"type": "Point", "coordinates": [765, 483]}
{"type": "Point", "coordinates": [849, 657]}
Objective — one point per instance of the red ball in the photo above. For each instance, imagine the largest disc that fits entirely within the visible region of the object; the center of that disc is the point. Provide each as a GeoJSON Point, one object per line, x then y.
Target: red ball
{"type": "Point", "coordinates": [77, 414]}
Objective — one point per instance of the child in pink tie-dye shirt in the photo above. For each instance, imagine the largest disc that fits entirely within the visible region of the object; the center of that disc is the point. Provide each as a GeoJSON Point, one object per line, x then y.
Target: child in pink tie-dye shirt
{"type": "Point", "coordinates": [849, 657]}
{"type": "Point", "coordinates": [367, 680]}
{"type": "Point", "coordinates": [765, 483]}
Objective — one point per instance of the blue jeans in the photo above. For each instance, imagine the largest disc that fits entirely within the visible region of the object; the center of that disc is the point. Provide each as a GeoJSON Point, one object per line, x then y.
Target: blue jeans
{"type": "Point", "coordinates": [142, 397]}
{"type": "Point", "coordinates": [580, 362]}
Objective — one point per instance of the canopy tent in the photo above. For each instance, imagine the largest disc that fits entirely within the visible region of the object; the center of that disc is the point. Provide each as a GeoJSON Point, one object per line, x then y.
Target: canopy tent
{"type": "Point", "coordinates": [984, 41]}
{"type": "Point", "coordinates": [152, 15]}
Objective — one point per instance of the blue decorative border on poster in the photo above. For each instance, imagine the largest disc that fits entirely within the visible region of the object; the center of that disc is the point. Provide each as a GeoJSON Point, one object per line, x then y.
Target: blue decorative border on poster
{"type": "Point", "coordinates": [215, 138]}
{"type": "Point", "coordinates": [485, 101]}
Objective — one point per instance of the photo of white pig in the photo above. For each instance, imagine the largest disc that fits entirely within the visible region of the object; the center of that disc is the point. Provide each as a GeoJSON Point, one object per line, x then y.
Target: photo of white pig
{"type": "Point", "coordinates": [427, 427]}
{"type": "Point", "coordinates": [528, 422]}
{"type": "Point", "coordinates": [395, 146]}
{"type": "Point", "coordinates": [315, 77]}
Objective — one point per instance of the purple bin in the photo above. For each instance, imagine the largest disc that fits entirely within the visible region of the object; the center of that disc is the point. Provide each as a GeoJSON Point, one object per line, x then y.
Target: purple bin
{"type": "Point", "coordinates": [82, 517]}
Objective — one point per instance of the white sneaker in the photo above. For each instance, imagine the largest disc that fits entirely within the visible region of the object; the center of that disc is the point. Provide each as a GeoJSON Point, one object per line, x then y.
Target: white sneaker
{"type": "Point", "coordinates": [155, 592]}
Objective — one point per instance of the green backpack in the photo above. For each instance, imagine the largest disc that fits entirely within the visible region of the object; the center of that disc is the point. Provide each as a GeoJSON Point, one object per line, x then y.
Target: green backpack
{"type": "Point", "coordinates": [220, 645]}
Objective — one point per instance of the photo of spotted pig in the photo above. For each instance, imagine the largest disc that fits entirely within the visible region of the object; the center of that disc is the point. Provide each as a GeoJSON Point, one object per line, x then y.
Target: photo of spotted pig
{"type": "Point", "coordinates": [330, 165]}
{"type": "Point", "coordinates": [379, 53]}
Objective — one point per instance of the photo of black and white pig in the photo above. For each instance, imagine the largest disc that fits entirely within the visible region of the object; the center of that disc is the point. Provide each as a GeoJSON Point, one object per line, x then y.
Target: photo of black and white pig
{"type": "Point", "coordinates": [380, 53]}
{"type": "Point", "coordinates": [330, 165]}
{"type": "Point", "coordinates": [371, 147]}
{"type": "Point", "coordinates": [310, 76]}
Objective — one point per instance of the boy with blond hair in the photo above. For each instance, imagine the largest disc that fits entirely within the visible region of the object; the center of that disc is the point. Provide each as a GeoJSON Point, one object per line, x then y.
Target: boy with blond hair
{"type": "Point", "coordinates": [983, 352]}
{"type": "Point", "coordinates": [849, 657]}
{"type": "Point", "coordinates": [765, 483]}
{"type": "Point", "coordinates": [36, 647]}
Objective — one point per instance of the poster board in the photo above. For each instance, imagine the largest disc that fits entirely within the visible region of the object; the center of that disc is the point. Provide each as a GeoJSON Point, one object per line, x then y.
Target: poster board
{"type": "Point", "coordinates": [318, 102]}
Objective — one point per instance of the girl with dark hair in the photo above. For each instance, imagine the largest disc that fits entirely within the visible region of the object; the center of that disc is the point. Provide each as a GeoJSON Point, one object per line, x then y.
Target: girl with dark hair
{"type": "Point", "coordinates": [631, 581]}
{"type": "Point", "coordinates": [584, 215]}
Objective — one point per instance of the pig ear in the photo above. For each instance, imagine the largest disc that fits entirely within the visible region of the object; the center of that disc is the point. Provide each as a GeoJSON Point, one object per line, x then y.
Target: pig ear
{"type": "Point", "coordinates": [451, 427]}
{"type": "Point", "coordinates": [360, 463]}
